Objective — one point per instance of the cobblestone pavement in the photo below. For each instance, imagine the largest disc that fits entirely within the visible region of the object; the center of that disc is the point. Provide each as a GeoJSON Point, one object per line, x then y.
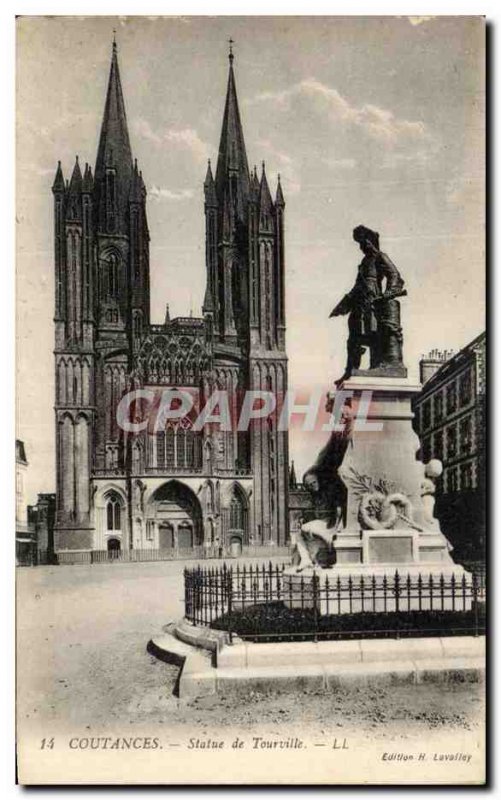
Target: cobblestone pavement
{"type": "Point", "coordinates": [82, 665]}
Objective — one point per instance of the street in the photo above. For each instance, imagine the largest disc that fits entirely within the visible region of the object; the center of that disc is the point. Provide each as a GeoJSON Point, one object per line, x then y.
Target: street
{"type": "Point", "coordinates": [82, 666]}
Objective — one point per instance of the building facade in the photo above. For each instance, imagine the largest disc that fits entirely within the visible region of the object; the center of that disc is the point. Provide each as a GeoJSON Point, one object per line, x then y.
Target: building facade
{"type": "Point", "coordinates": [175, 488]}
{"type": "Point", "coordinates": [25, 534]}
{"type": "Point", "coordinates": [41, 518]}
{"type": "Point", "coordinates": [450, 420]}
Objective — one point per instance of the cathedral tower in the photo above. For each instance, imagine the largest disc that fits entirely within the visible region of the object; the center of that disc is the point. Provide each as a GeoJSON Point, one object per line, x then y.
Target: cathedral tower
{"type": "Point", "coordinates": [101, 305]}
{"type": "Point", "coordinates": [245, 280]}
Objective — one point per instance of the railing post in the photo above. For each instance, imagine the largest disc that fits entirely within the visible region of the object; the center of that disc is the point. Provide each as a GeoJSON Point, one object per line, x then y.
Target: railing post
{"type": "Point", "coordinates": [474, 591]}
{"type": "Point", "coordinates": [396, 591]}
{"type": "Point", "coordinates": [186, 594]}
{"type": "Point", "coordinates": [230, 603]}
{"type": "Point", "coordinates": [315, 583]}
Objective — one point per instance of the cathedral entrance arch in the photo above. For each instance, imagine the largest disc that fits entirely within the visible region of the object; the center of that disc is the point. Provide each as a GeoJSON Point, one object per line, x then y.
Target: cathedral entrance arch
{"type": "Point", "coordinates": [113, 548]}
{"type": "Point", "coordinates": [178, 516]}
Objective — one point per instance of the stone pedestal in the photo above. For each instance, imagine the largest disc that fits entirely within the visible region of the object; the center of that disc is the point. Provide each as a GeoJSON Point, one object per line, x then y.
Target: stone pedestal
{"type": "Point", "coordinates": [381, 471]}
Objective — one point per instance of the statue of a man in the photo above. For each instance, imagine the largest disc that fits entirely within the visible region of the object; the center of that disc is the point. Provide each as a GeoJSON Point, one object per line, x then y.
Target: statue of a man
{"type": "Point", "coordinates": [374, 311]}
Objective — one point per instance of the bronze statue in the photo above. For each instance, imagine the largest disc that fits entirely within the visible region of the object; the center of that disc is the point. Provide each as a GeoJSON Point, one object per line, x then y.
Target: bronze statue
{"type": "Point", "coordinates": [374, 311]}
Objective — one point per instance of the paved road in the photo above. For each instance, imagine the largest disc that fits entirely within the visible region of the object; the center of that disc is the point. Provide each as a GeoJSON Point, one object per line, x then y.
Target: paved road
{"type": "Point", "coordinates": [82, 633]}
{"type": "Point", "coordinates": [83, 671]}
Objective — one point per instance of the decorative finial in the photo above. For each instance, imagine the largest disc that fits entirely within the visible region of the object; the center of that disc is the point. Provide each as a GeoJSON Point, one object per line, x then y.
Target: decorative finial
{"type": "Point", "coordinates": [230, 54]}
{"type": "Point", "coordinates": [263, 165]}
{"type": "Point", "coordinates": [114, 40]}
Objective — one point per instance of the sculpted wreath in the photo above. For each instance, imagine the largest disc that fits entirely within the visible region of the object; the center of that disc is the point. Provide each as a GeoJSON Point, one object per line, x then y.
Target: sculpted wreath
{"type": "Point", "coordinates": [379, 510]}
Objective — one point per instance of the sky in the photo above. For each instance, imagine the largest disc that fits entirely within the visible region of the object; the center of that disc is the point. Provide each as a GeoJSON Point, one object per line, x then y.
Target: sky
{"type": "Point", "coordinates": [374, 121]}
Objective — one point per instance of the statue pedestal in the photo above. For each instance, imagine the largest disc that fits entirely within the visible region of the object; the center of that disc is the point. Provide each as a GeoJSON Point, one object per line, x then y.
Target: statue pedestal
{"type": "Point", "coordinates": [389, 524]}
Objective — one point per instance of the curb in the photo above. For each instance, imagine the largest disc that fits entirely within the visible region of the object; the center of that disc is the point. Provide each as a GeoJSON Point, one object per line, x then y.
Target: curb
{"type": "Point", "coordinates": [304, 666]}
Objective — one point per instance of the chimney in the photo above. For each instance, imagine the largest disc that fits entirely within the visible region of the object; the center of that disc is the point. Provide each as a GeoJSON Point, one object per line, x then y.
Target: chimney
{"type": "Point", "coordinates": [431, 363]}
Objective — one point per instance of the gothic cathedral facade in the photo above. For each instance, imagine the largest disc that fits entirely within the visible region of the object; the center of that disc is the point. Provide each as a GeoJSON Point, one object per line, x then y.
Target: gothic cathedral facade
{"type": "Point", "coordinates": [175, 489]}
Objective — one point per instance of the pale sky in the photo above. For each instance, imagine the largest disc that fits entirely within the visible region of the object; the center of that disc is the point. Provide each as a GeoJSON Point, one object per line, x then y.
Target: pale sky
{"type": "Point", "coordinates": [378, 121]}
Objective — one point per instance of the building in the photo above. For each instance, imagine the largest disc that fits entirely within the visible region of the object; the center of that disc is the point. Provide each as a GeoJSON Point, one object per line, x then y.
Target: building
{"type": "Point", "coordinates": [176, 489]}
{"type": "Point", "coordinates": [301, 505]}
{"type": "Point", "coordinates": [450, 420]}
{"type": "Point", "coordinates": [41, 518]}
{"type": "Point", "coordinates": [25, 535]}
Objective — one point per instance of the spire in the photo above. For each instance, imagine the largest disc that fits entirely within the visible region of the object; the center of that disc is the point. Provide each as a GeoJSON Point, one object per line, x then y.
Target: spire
{"type": "Point", "coordinates": [209, 187]}
{"type": "Point", "coordinates": [87, 183]}
{"type": "Point", "coordinates": [254, 186]}
{"type": "Point", "coordinates": [292, 476]}
{"type": "Point", "coordinates": [232, 157]}
{"type": "Point", "coordinates": [279, 199]}
{"type": "Point", "coordinates": [167, 314]}
{"type": "Point", "coordinates": [58, 185]}
{"type": "Point", "coordinates": [208, 304]}
{"type": "Point", "coordinates": [135, 195]}
{"type": "Point", "coordinates": [76, 177]}
{"type": "Point", "coordinates": [265, 201]}
{"type": "Point", "coordinates": [114, 146]}
{"type": "Point", "coordinates": [74, 201]}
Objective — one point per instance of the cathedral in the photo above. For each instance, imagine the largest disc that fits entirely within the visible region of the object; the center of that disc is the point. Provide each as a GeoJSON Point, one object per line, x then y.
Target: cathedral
{"type": "Point", "coordinates": [176, 489]}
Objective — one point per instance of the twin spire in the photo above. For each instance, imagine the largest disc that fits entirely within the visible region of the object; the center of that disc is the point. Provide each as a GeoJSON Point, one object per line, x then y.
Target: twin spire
{"type": "Point", "coordinates": [232, 155]}
{"type": "Point", "coordinates": [114, 151]}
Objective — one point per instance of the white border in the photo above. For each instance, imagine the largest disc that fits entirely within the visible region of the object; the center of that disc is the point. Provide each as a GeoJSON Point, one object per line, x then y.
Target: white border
{"type": "Point", "coordinates": [7, 314]}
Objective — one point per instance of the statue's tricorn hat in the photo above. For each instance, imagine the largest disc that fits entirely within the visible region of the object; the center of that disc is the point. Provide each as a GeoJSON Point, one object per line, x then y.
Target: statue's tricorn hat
{"type": "Point", "coordinates": [361, 233]}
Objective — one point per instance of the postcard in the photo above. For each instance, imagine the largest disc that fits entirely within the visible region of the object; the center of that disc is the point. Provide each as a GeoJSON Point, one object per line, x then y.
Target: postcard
{"type": "Point", "coordinates": [251, 391]}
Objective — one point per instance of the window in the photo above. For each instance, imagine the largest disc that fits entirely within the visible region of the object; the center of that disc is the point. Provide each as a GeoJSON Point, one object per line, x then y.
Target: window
{"type": "Point", "coordinates": [190, 448]}
{"type": "Point", "coordinates": [465, 389]}
{"type": "Point", "coordinates": [438, 408]}
{"type": "Point", "coordinates": [170, 448]}
{"type": "Point", "coordinates": [236, 514]}
{"type": "Point", "coordinates": [177, 448]}
{"type": "Point", "coordinates": [161, 449]}
{"type": "Point", "coordinates": [110, 200]}
{"type": "Point", "coordinates": [113, 514]}
{"type": "Point", "coordinates": [438, 445]}
{"type": "Point", "coordinates": [109, 277]}
{"type": "Point", "coordinates": [466, 476]}
{"type": "Point", "coordinates": [451, 442]}
{"type": "Point", "coordinates": [465, 437]}
{"type": "Point", "coordinates": [113, 276]}
{"type": "Point", "coordinates": [451, 398]}
{"type": "Point", "coordinates": [426, 415]}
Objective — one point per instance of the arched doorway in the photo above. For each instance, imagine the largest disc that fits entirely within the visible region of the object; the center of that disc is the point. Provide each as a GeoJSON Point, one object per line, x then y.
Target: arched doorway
{"type": "Point", "coordinates": [113, 548]}
{"type": "Point", "coordinates": [237, 534]}
{"type": "Point", "coordinates": [235, 546]}
{"type": "Point", "coordinates": [178, 515]}
{"type": "Point", "coordinates": [185, 535]}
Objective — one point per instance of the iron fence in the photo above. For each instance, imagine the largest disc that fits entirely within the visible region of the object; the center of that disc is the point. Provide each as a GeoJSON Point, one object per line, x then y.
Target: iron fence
{"type": "Point", "coordinates": [34, 557]}
{"type": "Point", "coordinates": [264, 603]}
